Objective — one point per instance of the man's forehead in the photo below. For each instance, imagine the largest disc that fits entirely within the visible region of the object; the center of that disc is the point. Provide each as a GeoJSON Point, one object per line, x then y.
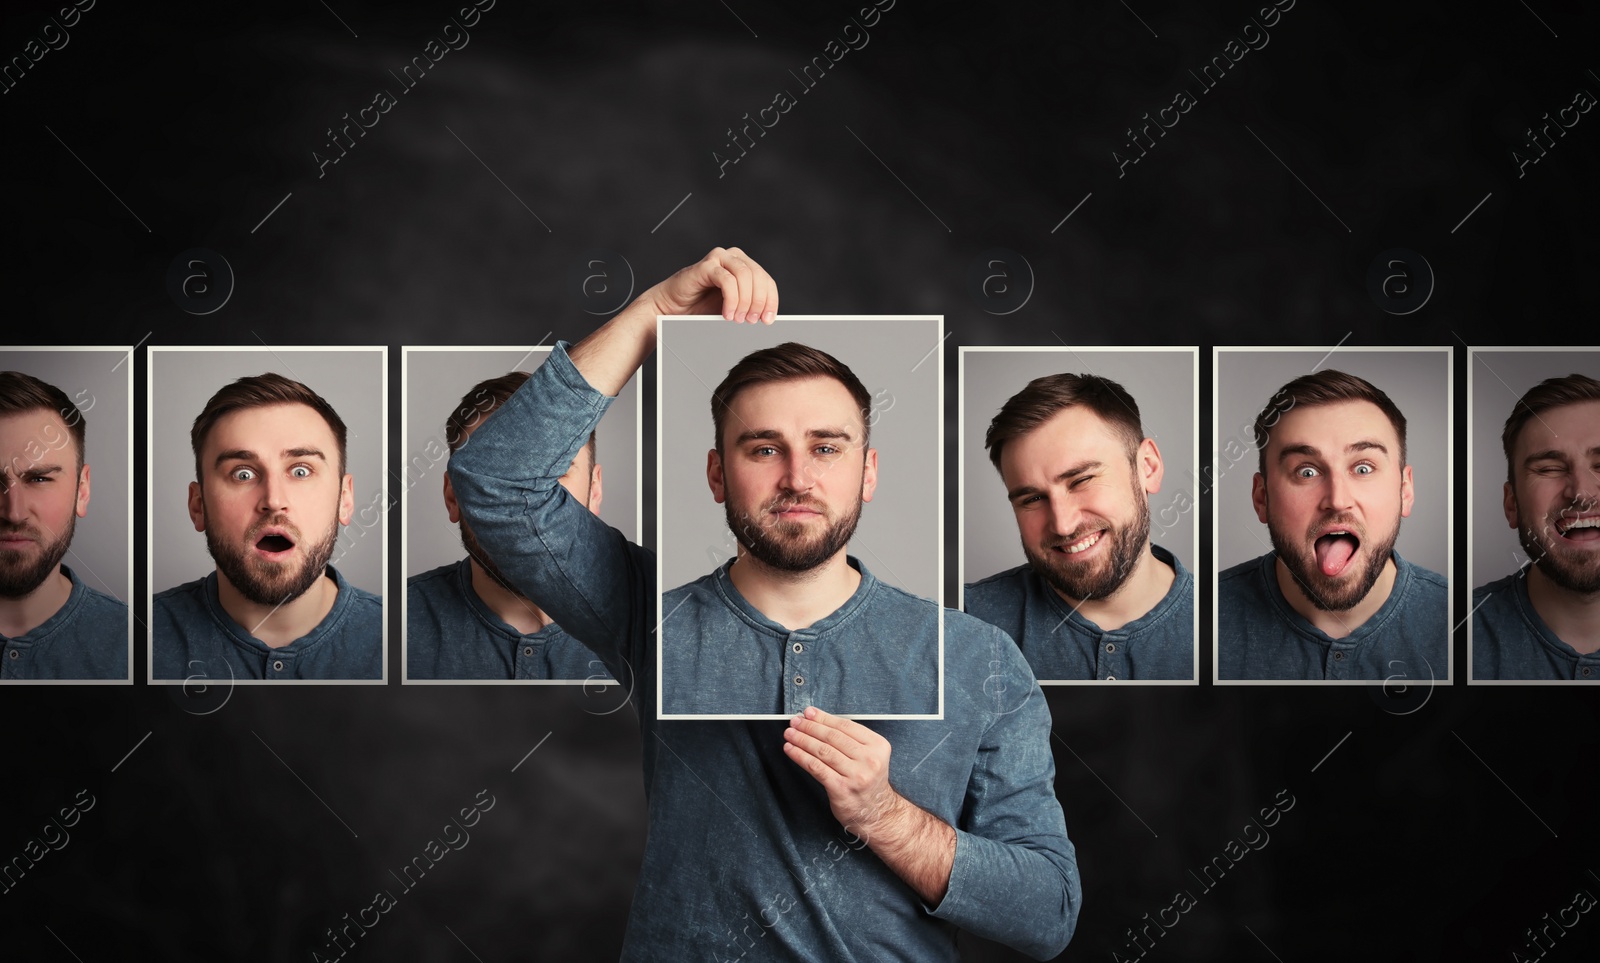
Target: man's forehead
{"type": "Point", "coordinates": [805, 403]}
{"type": "Point", "coordinates": [1067, 437]}
{"type": "Point", "coordinates": [43, 425]}
{"type": "Point", "coordinates": [1330, 428]}
{"type": "Point", "coordinates": [269, 429]}
{"type": "Point", "coordinates": [1569, 428]}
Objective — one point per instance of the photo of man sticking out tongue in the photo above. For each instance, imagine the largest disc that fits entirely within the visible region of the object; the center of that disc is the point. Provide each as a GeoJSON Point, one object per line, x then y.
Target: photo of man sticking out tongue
{"type": "Point", "coordinates": [1333, 599]}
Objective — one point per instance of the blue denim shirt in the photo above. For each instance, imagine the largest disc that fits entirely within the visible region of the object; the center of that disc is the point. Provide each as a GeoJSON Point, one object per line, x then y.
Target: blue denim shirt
{"type": "Point", "coordinates": [743, 855]}
{"type": "Point", "coordinates": [1260, 637]}
{"type": "Point", "coordinates": [452, 634]}
{"type": "Point", "coordinates": [87, 638]}
{"type": "Point", "coordinates": [194, 636]}
{"type": "Point", "coordinates": [1511, 641]}
{"type": "Point", "coordinates": [878, 653]}
{"type": "Point", "coordinates": [1059, 643]}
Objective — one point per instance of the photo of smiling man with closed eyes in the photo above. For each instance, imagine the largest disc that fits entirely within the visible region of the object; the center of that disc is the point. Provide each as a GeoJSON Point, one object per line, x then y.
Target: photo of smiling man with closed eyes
{"type": "Point", "coordinates": [271, 494]}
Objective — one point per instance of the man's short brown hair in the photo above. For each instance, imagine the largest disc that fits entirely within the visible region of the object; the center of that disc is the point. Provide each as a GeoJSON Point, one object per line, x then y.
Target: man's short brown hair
{"type": "Point", "coordinates": [21, 393]}
{"type": "Point", "coordinates": [1320, 388]}
{"type": "Point", "coordinates": [789, 361]}
{"type": "Point", "coordinates": [261, 391]}
{"type": "Point", "coordinates": [480, 401]}
{"type": "Point", "coordinates": [1043, 398]}
{"type": "Point", "coordinates": [1547, 394]}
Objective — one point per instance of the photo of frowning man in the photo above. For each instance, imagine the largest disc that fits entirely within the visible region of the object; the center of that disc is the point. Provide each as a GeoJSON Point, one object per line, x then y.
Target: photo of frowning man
{"type": "Point", "coordinates": [466, 619]}
{"type": "Point", "coordinates": [1096, 598]}
{"type": "Point", "coordinates": [271, 494]}
{"type": "Point", "coordinates": [53, 624]}
{"type": "Point", "coordinates": [945, 824]}
{"type": "Point", "coordinates": [1333, 599]}
{"type": "Point", "coordinates": [1542, 621]}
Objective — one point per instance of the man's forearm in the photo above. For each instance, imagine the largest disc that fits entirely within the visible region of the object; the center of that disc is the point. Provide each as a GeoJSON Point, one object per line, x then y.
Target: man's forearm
{"type": "Point", "coordinates": [919, 846]}
{"type": "Point", "coordinates": [609, 357]}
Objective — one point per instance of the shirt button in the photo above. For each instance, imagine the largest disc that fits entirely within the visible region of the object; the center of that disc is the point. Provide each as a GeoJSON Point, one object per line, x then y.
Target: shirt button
{"type": "Point", "coordinates": [799, 680]}
{"type": "Point", "coordinates": [13, 654]}
{"type": "Point", "coordinates": [1585, 671]}
{"type": "Point", "coordinates": [800, 648]}
{"type": "Point", "coordinates": [1338, 657]}
{"type": "Point", "coordinates": [527, 650]}
{"type": "Point", "coordinates": [1111, 678]}
{"type": "Point", "coordinates": [277, 666]}
{"type": "Point", "coordinates": [1111, 646]}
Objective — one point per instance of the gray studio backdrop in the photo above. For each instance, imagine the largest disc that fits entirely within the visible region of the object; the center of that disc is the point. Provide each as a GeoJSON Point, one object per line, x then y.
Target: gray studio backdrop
{"type": "Point", "coordinates": [898, 538]}
{"type": "Point", "coordinates": [97, 381]}
{"type": "Point", "coordinates": [1162, 384]}
{"type": "Point", "coordinates": [1416, 381]}
{"type": "Point", "coordinates": [180, 384]}
{"type": "Point", "coordinates": [1498, 379]}
{"type": "Point", "coordinates": [435, 382]}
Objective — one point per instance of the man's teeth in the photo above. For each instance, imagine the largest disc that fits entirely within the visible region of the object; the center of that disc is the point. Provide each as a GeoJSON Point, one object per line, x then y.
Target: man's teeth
{"type": "Point", "coordinates": [1083, 544]}
{"type": "Point", "coordinates": [1582, 523]}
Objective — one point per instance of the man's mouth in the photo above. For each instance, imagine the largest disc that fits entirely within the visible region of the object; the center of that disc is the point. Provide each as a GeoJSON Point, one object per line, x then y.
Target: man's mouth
{"type": "Point", "coordinates": [1334, 551]}
{"type": "Point", "coordinates": [1083, 544]}
{"type": "Point", "coordinates": [1584, 528]}
{"type": "Point", "coordinates": [274, 544]}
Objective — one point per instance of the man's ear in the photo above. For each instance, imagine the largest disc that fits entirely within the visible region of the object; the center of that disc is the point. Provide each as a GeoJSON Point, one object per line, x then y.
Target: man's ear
{"type": "Point", "coordinates": [1408, 492]}
{"type": "Point", "coordinates": [596, 491]}
{"type": "Point", "coordinates": [450, 506]}
{"type": "Point", "coordinates": [869, 475]}
{"type": "Point", "coordinates": [1258, 496]}
{"type": "Point", "coordinates": [1508, 501]}
{"type": "Point", "coordinates": [347, 499]}
{"type": "Point", "coordinates": [197, 507]}
{"type": "Point", "coordinates": [83, 492]}
{"type": "Point", "coordinates": [714, 476]}
{"type": "Point", "coordinates": [1151, 468]}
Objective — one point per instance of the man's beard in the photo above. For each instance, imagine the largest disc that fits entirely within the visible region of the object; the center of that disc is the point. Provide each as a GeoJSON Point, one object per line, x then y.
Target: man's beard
{"type": "Point", "coordinates": [18, 578]}
{"type": "Point", "coordinates": [785, 545]}
{"type": "Point", "coordinates": [271, 583]}
{"type": "Point", "coordinates": [1335, 593]}
{"type": "Point", "coordinates": [1094, 579]}
{"type": "Point", "coordinates": [475, 551]}
{"type": "Point", "coordinates": [1578, 571]}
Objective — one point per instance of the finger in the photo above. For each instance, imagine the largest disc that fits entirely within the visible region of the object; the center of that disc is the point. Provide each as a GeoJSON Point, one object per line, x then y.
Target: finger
{"type": "Point", "coordinates": [820, 749]}
{"type": "Point", "coordinates": [762, 287]}
{"type": "Point", "coordinates": [813, 766]}
{"type": "Point", "coordinates": [848, 727]}
{"type": "Point", "coordinates": [833, 736]}
{"type": "Point", "coordinates": [740, 269]}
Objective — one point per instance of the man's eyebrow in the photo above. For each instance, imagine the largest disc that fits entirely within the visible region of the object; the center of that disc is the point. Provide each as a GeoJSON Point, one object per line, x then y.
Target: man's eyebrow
{"type": "Point", "coordinates": [1310, 451]}
{"type": "Point", "coordinates": [773, 434]}
{"type": "Point", "coordinates": [1071, 473]}
{"type": "Point", "coordinates": [1366, 444]}
{"type": "Point", "coordinates": [244, 454]}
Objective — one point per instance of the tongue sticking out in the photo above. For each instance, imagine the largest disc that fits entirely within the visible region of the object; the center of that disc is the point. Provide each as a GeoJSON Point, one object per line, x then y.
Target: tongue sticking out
{"type": "Point", "coordinates": [1334, 553]}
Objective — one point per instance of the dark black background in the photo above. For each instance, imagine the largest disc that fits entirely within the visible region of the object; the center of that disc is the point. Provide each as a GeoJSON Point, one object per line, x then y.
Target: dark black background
{"type": "Point", "coordinates": [1449, 822]}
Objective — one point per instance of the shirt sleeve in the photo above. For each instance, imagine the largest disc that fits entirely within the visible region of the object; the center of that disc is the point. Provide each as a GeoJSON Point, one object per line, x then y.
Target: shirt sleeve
{"type": "Point", "coordinates": [582, 572]}
{"type": "Point", "coordinates": [1014, 879]}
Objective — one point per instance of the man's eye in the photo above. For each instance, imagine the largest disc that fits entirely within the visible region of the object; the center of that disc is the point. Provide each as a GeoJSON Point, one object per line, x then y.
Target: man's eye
{"type": "Point", "coordinates": [764, 450]}
{"type": "Point", "coordinates": [242, 474]}
{"type": "Point", "coordinates": [1305, 471]}
{"type": "Point", "coordinates": [1081, 480]}
{"type": "Point", "coordinates": [300, 471]}
{"type": "Point", "coordinates": [1364, 469]}
{"type": "Point", "coordinates": [827, 450]}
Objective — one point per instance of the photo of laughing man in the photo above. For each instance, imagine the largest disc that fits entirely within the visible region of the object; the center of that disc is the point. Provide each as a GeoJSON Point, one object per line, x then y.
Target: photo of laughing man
{"type": "Point", "coordinates": [866, 840]}
{"type": "Point", "coordinates": [52, 625]}
{"type": "Point", "coordinates": [1333, 599]}
{"type": "Point", "coordinates": [467, 620]}
{"type": "Point", "coordinates": [1096, 600]}
{"type": "Point", "coordinates": [270, 494]}
{"type": "Point", "coordinates": [1543, 621]}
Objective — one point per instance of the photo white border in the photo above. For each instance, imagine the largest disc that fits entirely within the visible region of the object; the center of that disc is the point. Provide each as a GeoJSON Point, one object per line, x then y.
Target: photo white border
{"type": "Point", "coordinates": [149, 601]}
{"type": "Point", "coordinates": [405, 421]}
{"type": "Point", "coordinates": [961, 481]}
{"type": "Point", "coordinates": [1450, 510]}
{"type": "Point", "coordinates": [938, 353]}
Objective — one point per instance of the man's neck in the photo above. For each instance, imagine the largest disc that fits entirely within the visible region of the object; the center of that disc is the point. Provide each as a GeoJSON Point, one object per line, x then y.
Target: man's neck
{"type": "Point", "coordinates": [1140, 592]}
{"type": "Point", "coordinates": [278, 625]}
{"type": "Point", "coordinates": [1336, 625]}
{"type": "Point", "coordinates": [1573, 616]}
{"type": "Point", "coordinates": [19, 616]}
{"type": "Point", "coordinates": [508, 606]}
{"type": "Point", "coordinates": [795, 600]}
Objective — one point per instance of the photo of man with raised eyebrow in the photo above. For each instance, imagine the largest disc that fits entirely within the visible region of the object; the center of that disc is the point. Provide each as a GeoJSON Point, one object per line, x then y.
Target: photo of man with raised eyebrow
{"type": "Point", "coordinates": [466, 619]}
{"type": "Point", "coordinates": [270, 495]}
{"type": "Point", "coordinates": [1096, 599]}
{"type": "Point", "coordinates": [1333, 599]}
{"type": "Point", "coordinates": [52, 624]}
{"type": "Point", "coordinates": [1542, 622]}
